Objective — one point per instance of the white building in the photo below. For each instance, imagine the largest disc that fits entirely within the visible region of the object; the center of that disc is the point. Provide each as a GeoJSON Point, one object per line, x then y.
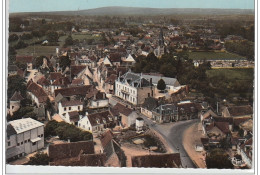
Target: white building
{"type": "Point", "coordinates": [67, 109]}
{"type": "Point", "coordinates": [133, 88]}
{"type": "Point", "coordinates": [24, 136]}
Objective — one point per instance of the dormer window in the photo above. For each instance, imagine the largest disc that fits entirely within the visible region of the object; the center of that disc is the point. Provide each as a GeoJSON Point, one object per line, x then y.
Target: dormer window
{"type": "Point", "coordinates": [104, 121]}
{"type": "Point", "coordinates": [110, 118]}
{"type": "Point", "coordinates": [98, 121]}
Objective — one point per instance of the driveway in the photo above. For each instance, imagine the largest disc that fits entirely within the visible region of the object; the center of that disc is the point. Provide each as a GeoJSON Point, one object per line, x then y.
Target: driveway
{"type": "Point", "coordinates": [173, 133]}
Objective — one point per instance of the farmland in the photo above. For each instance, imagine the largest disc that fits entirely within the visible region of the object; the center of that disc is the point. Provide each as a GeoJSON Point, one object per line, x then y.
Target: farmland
{"type": "Point", "coordinates": [213, 55]}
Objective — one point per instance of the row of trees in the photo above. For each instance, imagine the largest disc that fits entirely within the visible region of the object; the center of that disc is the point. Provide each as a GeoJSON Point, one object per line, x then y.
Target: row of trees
{"type": "Point", "coordinates": [66, 131]}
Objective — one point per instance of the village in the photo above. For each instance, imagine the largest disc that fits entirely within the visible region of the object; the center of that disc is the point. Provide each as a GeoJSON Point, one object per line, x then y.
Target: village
{"type": "Point", "coordinates": [87, 103]}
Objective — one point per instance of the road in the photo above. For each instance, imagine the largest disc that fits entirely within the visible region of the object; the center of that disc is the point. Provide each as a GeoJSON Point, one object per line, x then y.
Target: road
{"type": "Point", "coordinates": [173, 133]}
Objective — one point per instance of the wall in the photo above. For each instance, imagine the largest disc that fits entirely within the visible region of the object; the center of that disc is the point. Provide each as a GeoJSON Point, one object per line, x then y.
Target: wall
{"type": "Point", "coordinates": [146, 112]}
{"type": "Point", "coordinates": [99, 103]}
{"type": "Point", "coordinates": [131, 91]}
{"type": "Point", "coordinates": [142, 94]}
{"type": "Point", "coordinates": [73, 108]}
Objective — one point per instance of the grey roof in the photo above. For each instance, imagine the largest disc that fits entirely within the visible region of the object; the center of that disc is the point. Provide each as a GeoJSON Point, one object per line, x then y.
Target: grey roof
{"type": "Point", "coordinates": [167, 80]}
{"type": "Point", "coordinates": [134, 79]}
{"type": "Point", "coordinates": [10, 130]}
{"type": "Point", "coordinates": [150, 103]}
{"type": "Point", "coordinates": [167, 107]}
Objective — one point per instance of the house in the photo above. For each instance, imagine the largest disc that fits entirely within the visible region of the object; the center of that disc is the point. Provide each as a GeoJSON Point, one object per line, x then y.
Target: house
{"type": "Point", "coordinates": [37, 93]}
{"type": "Point", "coordinates": [75, 154]}
{"type": "Point", "coordinates": [149, 104]}
{"type": "Point", "coordinates": [108, 143]}
{"type": "Point", "coordinates": [59, 83]}
{"type": "Point", "coordinates": [115, 59]}
{"type": "Point", "coordinates": [133, 88]}
{"type": "Point", "coordinates": [171, 83]}
{"type": "Point", "coordinates": [207, 115]}
{"type": "Point", "coordinates": [24, 136]}
{"type": "Point", "coordinates": [238, 111]}
{"type": "Point", "coordinates": [15, 102]}
{"type": "Point", "coordinates": [217, 131]}
{"type": "Point", "coordinates": [165, 113]}
{"type": "Point", "coordinates": [107, 62]}
{"type": "Point", "coordinates": [128, 116]}
{"type": "Point", "coordinates": [45, 84]}
{"type": "Point", "coordinates": [246, 151]}
{"type": "Point", "coordinates": [97, 122]}
{"type": "Point", "coordinates": [72, 93]}
{"type": "Point", "coordinates": [129, 60]}
{"type": "Point", "coordinates": [109, 84]}
{"type": "Point", "coordinates": [54, 76]}
{"type": "Point", "coordinates": [172, 160]}
{"type": "Point", "coordinates": [97, 99]}
{"type": "Point", "coordinates": [28, 60]}
{"type": "Point", "coordinates": [188, 110]}
{"type": "Point", "coordinates": [68, 110]}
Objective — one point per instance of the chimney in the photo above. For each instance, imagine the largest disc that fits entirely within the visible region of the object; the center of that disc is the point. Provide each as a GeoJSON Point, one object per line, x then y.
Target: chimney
{"type": "Point", "coordinates": [104, 96]}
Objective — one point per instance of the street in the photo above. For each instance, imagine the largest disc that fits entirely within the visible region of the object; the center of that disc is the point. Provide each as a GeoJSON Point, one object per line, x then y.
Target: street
{"type": "Point", "coordinates": [173, 134]}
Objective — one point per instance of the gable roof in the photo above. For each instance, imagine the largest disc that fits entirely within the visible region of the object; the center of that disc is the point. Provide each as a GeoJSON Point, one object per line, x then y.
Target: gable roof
{"type": "Point", "coordinates": [62, 81]}
{"type": "Point", "coordinates": [157, 161]}
{"type": "Point", "coordinates": [208, 114]}
{"type": "Point", "coordinates": [78, 90]}
{"type": "Point", "coordinates": [134, 79]}
{"type": "Point", "coordinates": [167, 80]}
{"type": "Point", "coordinates": [55, 75]}
{"type": "Point", "coordinates": [43, 81]}
{"type": "Point", "coordinates": [223, 126]}
{"type": "Point", "coordinates": [75, 70]}
{"type": "Point", "coordinates": [74, 116]}
{"type": "Point", "coordinates": [77, 81]}
{"type": "Point", "coordinates": [240, 110]}
{"type": "Point", "coordinates": [71, 103]}
{"type": "Point", "coordinates": [119, 108]}
{"type": "Point", "coordinates": [111, 79]}
{"type": "Point", "coordinates": [16, 96]}
{"type": "Point", "coordinates": [150, 103]}
{"type": "Point", "coordinates": [37, 91]}
{"type": "Point", "coordinates": [69, 150]}
{"type": "Point", "coordinates": [115, 57]}
{"type": "Point", "coordinates": [99, 118]}
{"type": "Point", "coordinates": [10, 130]}
{"type": "Point", "coordinates": [106, 138]}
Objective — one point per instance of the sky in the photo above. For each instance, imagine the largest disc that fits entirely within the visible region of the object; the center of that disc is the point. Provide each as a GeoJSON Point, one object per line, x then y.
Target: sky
{"type": "Point", "coordinates": [70, 5]}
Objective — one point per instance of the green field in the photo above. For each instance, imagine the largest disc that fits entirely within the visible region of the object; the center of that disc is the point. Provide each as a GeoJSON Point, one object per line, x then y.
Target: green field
{"type": "Point", "coordinates": [233, 73]}
{"type": "Point", "coordinates": [213, 55]}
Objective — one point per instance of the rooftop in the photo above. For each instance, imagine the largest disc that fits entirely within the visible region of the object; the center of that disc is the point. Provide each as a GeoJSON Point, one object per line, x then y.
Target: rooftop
{"type": "Point", "coordinates": [26, 124]}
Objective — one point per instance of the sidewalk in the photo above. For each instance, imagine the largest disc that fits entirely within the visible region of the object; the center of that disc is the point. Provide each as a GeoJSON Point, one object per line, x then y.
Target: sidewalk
{"type": "Point", "coordinates": [191, 137]}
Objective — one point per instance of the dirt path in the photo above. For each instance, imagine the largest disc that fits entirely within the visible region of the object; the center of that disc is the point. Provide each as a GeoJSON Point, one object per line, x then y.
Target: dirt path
{"type": "Point", "coordinates": [191, 137]}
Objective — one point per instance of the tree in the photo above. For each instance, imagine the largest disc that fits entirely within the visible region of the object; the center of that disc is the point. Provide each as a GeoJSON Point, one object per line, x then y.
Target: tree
{"type": "Point", "coordinates": [68, 41]}
{"type": "Point", "coordinates": [38, 61]}
{"type": "Point", "coordinates": [20, 45]}
{"type": "Point", "coordinates": [16, 83]}
{"type": "Point", "coordinates": [218, 158]}
{"type": "Point", "coordinates": [13, 37]}
{"type": "Point", "coordinates": [64, 62]}
{"type": "Point", "coordinates": [39, 158]}
{"type": "Point", "coordinates": [52, 36]}
{"type": "Point", "coordinates": [161, 85]}
{"type": "Point", "coordinates": [49, 129]}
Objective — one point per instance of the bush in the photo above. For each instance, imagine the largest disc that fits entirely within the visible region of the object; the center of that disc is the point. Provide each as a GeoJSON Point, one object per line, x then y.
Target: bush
{"type": "Point", "coordinates": [39, 159]}
{"type": "Point", "coordinates": [218, 158]}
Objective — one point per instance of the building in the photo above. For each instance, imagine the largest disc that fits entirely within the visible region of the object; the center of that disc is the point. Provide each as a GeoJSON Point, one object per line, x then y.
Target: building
{"type": "Point", "coordinates": [165, 113]}
{"type": "Point", "coordinates": [149, 104]}
{"type": "Point", "coordinates": [133, 88]}
{"type": "Point", "coordinates": [37, 93]}
{"type": "Point", "coordinates": [15, 101]}
{"type": "Point", "coordinates": [68, 110]}
{"type": "Point", "coordinates": [24, 136]}
{"type": "Point", "coordinates": [238, 111]}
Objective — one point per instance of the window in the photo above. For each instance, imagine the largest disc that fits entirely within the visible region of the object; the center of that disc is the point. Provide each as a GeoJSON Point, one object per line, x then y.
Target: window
{"type": "Point", "coordinates": [97, 103]}
{"type": "Point", "coordinates": [21, 143]}
{"type": "Point", "coordinates": [41, 135]}
{"type": "Point", "coordinates": [29, 140]}
{"type": "Point", "coordinates": [89, 128]}
{"type": "Point", "coordinates": [69, 108]}
{"type": "Point", "coordinates": [83, 126]}
{"type": "Point", "coordinates": [8, 137]}
{"type": "Point", "coordinates": [9, 143]}
{"type": "Point", "coordinates": [18, 144]}
{"type": "Point", "coordinates": [64, 109]}
{"type": "Point", "coordinates": [78, 107]}
{"type": "Point", "coordinates": [34, 143]}
{"type": "Point", "coordinates": [25, 141]}
{"type": "Point", "coordinates": [12, 107]}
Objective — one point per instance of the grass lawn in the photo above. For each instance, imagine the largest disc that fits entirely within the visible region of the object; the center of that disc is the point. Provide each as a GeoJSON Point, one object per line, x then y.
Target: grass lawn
{"type": "Point", "coordinates": [213, 55]}
{"type": "Point", "coordinates": [39, 50]}
{"type": "Point", "coordinates": [233, 73]}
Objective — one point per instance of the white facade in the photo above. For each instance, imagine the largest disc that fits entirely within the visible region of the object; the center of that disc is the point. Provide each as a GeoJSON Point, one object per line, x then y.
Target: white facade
{"type": "Point", "coordinates": [29, 137]}
{"type": "Point", "coordinates": [34, 98]}
{"type": "Point", "coordinates": [139, 124]}
{"type": "Point", "coordinates": [126, 92]}
{"type": "Point", "coordinates": [64, 110]}
{"type": "Point", "coordinates": [99, 103]}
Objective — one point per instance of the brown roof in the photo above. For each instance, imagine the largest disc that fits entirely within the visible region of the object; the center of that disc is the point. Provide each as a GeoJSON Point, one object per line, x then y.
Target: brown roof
{"type": "Point", "coordinates": [119, 108]}
{"type": "Point", "coordinates": [106, 138]}
{"type": "Point", "coordinates": [92, 93]}
{"type": "Point", "coordinates": [77, 81]}
{"type": "Point", "coordinates": [75, 70]}
{"type": "Point", "coordinates": [189, 107]}
{"type": "Point", "coordinates": [158, 161]}
{"type": "Point", "coordinates": [62, 81]}
{"type": "Point", "coordinates": [223, 126]}
{"type": "Point", "coordinates": [74, 116]}
{"type": "Point", "coordinates": [55, 75]}
{"type": "Point", "coordinates": [240, 110]}
{"type": "Point", "coordinates": [237, 121]}
{"type": "Point", "coordinates": [71, 103]}
{"type": "Point", "coordinates": [43, 81]}
{"type": "Point", "coordinates": [69, 150]}
{"type": "Point", "coordinates": [230, 120]}
{"type": "Point", "coordinates": [98, 118]}
{"type": "Point", "coordinates": [78, 90]}
{"type": "Point", "coordinates": [24, 59]}
{"type": "Point", "coordinates": [115, 57]}
{"type": "Point", "coordinates": [37, 91]}
{"type": "Point", "coordinates": [82, 160]}
{"type": "Point", "coordinates": [20, 72]}
{"type": "Point", "coordinates": [111, 79]}
{"type": "Point", "coordinates": [16, 97]}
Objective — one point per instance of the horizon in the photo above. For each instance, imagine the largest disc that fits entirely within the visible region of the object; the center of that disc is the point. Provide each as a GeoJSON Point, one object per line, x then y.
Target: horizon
{"type": "Point", "coordinates": [17, 6]}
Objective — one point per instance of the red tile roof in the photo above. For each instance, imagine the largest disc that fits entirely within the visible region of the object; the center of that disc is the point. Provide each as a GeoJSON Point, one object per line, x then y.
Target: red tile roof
{"type": "Point", "coordinates": [37, 91]}
{"type": "Point", "coordinates": [77, 81]}
{"type": "Point", "coordinates": [111, 79]}
{"type": "Point", "coordinates": [99, 118]}
{"type": "Point", "coordinates": [71, 103]}
{"type": "Point", "coordinates": [106, 138]}
{"type": "Point", "coordinates": [43, 82]}
{"type": "Point", "coordinates": [240, 110]}
{"type": "Point", "coordinates": [55, 75]}
{"type": "Point", "coordinates": [63, 81]}
{"type": "Point", "coordinates": [74, 116]}
{"type": "Point", "coordinates": [75, 70]}
{"type": "Point", "coordinates": [157, 161]}
{"type": "Point", "coordinates": [119, 108]}
{"type": "Point", "coordinates": [70, 150]}
{"type": "Point", "coordinates": [71, 91]}
{"type": "Point", "coordinates": [223, 126]}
